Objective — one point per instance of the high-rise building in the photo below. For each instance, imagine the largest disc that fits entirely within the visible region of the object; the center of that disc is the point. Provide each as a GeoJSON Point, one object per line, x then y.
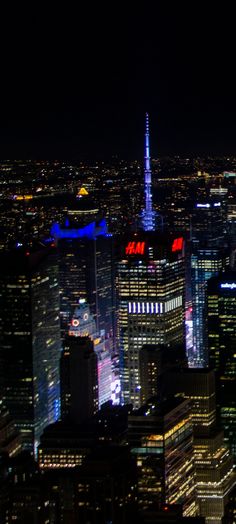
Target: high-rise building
{"type": "Point", "coordinates": [79, 379]}
{"type": "Point", "coordinates": [205, 263]}
{"type": "Point", "coordinates": [208, 256]}
{"type": "Point", "coordinates": [215, 477]}
{"type": "Point", "coordinates": [86, 272]}
{"type": "Point", "coordinates": [83, 324]}
{"type": "Point", "coordinates": [9, 438]}
{"type": "Point", "coordinates": [221, 328]}
{"type": "Point", "coordinates": [150, 288]}
{"type": "Point", "coordinates": [151, 301]}
{"type": "Point", "coordinates": [30, 340]}
{"type": "Point", "coordinates": [160, 437]}
{"type": "Point", "coordinates": [150, 362]}
{"type": "Point", "coordinates": [155, 361]}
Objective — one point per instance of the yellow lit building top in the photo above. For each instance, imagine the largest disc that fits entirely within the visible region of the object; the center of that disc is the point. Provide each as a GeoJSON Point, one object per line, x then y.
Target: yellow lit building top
{"type": "Point", "coordinates": [83, 191]}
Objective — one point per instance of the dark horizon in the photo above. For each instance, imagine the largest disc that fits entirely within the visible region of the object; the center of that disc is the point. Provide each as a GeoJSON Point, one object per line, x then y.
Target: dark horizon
{"type": "Point", "coordinates": [78, 88]}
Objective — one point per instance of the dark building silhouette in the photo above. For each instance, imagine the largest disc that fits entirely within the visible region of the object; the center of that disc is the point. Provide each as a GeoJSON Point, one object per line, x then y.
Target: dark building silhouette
{"type": "Point", "coordinates": [107, 486]}
{"type": "Point", "coordinates": [79, 379]}
{"type": "Point", "coordinates": [155, 361]}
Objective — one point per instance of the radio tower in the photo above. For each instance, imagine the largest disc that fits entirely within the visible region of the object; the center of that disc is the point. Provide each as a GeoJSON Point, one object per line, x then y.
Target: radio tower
{"type": "Point", "coordinates": [148, 216]}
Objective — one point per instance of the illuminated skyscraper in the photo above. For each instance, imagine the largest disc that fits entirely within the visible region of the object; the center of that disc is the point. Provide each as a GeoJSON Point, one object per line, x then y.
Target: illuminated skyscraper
{"type": "Point", "coordinates": [209, 256]}
{"type": "Point", "coordinates": [160, 437]}
{"type": "Point", "coordinates": [221, 328]}
{"type": "Point", "coordinates": [215, 477]}
{"type": "Point", "coordinates": [86, 272]}
{"type": "Point", "coordinates": [30, 341]}
{"type": "Point", "coordinates": [150, 283]}
{"type": "Point", "coordinates": [83, 324]}
{"type": "Point", "coordinates": [151, 301]}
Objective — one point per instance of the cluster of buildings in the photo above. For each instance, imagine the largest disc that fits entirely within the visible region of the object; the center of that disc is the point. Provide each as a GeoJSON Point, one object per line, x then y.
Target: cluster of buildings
{"type": "Point", "coordinates": [117, 365]}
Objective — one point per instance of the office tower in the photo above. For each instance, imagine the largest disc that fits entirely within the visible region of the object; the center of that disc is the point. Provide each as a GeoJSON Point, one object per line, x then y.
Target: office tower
{"type": "Point", "coordinates": [198, 386]}
{"type": "Point", "coordinates": [230, 510]}
{"type": "Point", "coordinates": [155, 361]}
{"type": "Point", "coordinates": [221, 328]}
{"type": "Point", "coordinates": [86, 272]}
{"type": "Point", "coordinates": [150, 286]}
{"type": "Point", "coordinates": [79, 379]}
{"type": "Point", "coordinates": [83, 324]}
{"type": "Point", "coordinates": [209, 256]}
{"type": "Point", "coordinates": [9, 438]}
{"type": "Point", "coordinates": [215, 477]}
{"type": "Point", "coordinates": [30, 340]}
{"type": "Point", "coordinates": [150, 362]}
{"type": "Point", "coordinates": [64, 445]}
{"type": "Point", "coordinates": [160, 437]}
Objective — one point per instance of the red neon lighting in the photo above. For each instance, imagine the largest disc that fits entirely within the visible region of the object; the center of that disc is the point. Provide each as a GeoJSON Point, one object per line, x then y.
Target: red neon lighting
{"type": "Point", "coordinates": [177, 244]}
{"type": "Point", "coordinates": [75, 322]}
{"type": "Point", "coordinates": [135, 248]}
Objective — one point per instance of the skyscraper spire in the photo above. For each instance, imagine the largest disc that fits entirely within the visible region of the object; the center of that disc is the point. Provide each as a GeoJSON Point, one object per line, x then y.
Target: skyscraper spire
{"type": "Point", "coordinates": [148, 215]}
{"type": "Point", "coordinates": [147, 169]}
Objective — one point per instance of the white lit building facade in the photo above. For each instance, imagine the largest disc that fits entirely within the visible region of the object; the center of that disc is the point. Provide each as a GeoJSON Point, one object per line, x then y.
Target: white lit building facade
{"type": "Point", "coordinates": [151, 301]}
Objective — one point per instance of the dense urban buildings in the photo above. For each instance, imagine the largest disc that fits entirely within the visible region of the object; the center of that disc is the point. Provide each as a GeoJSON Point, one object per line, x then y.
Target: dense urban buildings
{"type": "Point", "coordinates": [118, 340]}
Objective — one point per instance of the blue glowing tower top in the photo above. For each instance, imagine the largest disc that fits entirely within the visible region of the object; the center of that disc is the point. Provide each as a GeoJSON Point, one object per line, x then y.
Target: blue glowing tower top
{"type": "Point", "coordinates": [148, 216]}
{"type": "Point", "coordinates": [147, 169]}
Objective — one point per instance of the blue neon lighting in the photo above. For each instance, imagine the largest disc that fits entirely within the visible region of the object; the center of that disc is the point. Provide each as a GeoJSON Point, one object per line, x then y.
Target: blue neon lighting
{"type": "Point", "coordinates": [92, 231]}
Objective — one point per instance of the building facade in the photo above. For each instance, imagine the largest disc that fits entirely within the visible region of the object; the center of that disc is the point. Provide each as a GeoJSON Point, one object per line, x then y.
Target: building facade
{"type": "Point", "coordinates": [221, 328]}
{"type": "Point", "coordinates": [30, 341]}
{"type": "Point", "coordinates": [150, 284]}
{"type": "Point", "coordinates": [160, 436]}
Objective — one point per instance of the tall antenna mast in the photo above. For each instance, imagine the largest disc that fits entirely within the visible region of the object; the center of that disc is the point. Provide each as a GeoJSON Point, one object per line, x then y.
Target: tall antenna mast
{"type": "Point", "coordinates": [148, 216]}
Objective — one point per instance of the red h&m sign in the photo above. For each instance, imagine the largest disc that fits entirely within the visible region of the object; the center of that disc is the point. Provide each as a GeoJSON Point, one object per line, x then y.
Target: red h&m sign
{"type": "Point", "coordinates": [177, 244]}
{"type": "Point", "coordinates": [135, 248]}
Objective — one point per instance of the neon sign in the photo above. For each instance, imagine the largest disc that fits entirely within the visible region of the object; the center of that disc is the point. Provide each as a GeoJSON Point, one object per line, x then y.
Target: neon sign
{"type": "Point", "coordinates": [177, 244]}
{"type": "Point", "coordinates": [228, 285]}
{"type": "Point", "coordinates": [135, 248]}
{"type": "Point", "coordinates": [75, 322]}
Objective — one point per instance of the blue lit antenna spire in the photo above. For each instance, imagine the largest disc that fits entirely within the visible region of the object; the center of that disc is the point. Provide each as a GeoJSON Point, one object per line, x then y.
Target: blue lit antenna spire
{"type": "Point", "coordinates": [148, 215]}
{"type": "Point", "coordinates": [147, 170]}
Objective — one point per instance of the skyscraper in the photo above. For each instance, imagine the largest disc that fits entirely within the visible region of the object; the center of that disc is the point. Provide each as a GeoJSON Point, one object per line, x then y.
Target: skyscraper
{"type": "Point", "coordinates": [221, 329]}
{"type": "Point", "coordinates": [208, 256]}
{"type": "Point", "coordinates": [83, 324]}
{"type": "Point", "coordinates": [86, 272]}
{"type": "Point", "coordinates": [215, 476]}
{"type": "Point", "coordinates": [79, 379]}
{"type": "Point", "coordinates": [151, 301]}
{"type": "Point", "coordinates": [30, 340]}
{"type": "Point", "coordinates": [150, 282]}
{"type": "Point", "coordinates": [160, 436]}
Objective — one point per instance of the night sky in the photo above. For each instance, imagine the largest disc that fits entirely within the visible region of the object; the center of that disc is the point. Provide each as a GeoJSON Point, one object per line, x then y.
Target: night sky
{"type": "Point", "coordinates": [76, 85]}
